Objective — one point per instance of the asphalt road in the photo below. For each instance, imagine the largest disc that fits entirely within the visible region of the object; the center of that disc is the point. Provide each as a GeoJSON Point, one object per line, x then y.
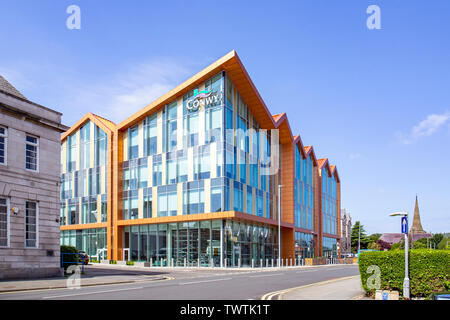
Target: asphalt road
{"type": "Point", "coordinates": [208, 284]}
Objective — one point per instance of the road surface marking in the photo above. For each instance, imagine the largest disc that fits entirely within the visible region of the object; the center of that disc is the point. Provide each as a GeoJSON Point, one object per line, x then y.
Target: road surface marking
{"type": "Point", "coordinates": [280, 293]}
{"type": "Point", "coordinates": [95, 292]}
{"type": "Point", "coordinates": [184, 283]}
{"type": "Point", "coordinates": [267, 275]}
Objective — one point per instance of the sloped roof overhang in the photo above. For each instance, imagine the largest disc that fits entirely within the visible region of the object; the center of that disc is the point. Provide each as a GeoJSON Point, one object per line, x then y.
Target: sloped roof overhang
{"type": "Point", "coordinates": [232, 65]}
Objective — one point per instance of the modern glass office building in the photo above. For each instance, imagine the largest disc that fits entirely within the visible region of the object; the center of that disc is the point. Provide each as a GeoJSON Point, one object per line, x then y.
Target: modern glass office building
{"type": "Point", "coordinates": [192, 179]}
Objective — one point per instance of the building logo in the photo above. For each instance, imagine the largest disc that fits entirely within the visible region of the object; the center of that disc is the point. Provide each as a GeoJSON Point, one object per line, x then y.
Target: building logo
{"type": "Point", "coordinates": [202, 98]}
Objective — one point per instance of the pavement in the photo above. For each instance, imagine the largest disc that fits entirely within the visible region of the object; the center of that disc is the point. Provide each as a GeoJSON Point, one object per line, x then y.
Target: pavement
{"type": "Point", "coordinates": [111, 282]}
{"type": "Point", "coordinates": [93, 276]}
{"type": "Point", "coordinates": [345, 288]}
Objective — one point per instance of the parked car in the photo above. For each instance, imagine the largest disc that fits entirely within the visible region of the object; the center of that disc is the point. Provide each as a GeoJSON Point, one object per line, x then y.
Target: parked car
{"type": "Point", "coordinates": [83, 257]}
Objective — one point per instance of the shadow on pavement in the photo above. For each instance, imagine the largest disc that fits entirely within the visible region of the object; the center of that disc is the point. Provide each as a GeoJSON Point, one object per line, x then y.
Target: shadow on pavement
{"type": "Point", "coordinates": [90, 272]}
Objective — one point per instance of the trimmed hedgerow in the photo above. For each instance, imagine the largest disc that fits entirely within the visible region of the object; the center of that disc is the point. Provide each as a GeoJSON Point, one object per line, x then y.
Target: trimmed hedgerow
{"type": "Point", "coordinates": [69, 256]}
{"type": "Point", "coordinates": [428, 270]}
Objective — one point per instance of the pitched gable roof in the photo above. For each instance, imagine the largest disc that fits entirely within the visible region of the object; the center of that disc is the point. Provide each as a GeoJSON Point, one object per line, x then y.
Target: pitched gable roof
{"type": "Point", "coordinates": [7, 87]}
{"type": "Point", "coordinates": [104, 124]}
{"type": "Point", "coordinates": [323, 163]}
{"type": "Point", "coordinates": [334, 172]}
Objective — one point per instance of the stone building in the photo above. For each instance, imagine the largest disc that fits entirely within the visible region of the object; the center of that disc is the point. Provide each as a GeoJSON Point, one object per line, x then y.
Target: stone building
{"type": "Point", "coordinates": [346, 232]}
{"type": "Point", "coordinates": [29, 186]}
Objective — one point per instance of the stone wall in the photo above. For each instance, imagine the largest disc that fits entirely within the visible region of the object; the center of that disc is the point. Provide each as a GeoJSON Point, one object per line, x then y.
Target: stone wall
{"type": "Point", "coordinates": [20, 185]}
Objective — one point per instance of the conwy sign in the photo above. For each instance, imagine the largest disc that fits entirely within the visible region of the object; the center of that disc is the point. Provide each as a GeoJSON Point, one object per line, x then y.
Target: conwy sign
{"type": "Point", "coordinates": [202, 98]}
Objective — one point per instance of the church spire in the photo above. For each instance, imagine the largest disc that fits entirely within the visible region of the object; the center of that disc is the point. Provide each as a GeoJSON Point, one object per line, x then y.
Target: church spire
{"type": "Point", "coordinates": [417, 225]}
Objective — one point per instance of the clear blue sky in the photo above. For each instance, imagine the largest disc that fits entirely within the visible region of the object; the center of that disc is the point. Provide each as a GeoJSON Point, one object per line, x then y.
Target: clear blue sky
{"type": "Point", "coordinates": [375, 102]}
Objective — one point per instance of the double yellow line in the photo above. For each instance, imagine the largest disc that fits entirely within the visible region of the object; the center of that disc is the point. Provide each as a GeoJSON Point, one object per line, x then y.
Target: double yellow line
{"type": "Point", "coordinates": [280, 293]}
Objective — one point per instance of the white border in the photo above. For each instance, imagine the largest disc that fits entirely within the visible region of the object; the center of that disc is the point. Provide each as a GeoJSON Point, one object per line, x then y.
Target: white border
{"type": "Point", "coordinates": [6, 146]}
{"type": "Point", "coordinates": [25, 225]}
{"type": "Point", "coordinates": [8, 224]}
{"type": "Point", "coordinates": [37, 152]}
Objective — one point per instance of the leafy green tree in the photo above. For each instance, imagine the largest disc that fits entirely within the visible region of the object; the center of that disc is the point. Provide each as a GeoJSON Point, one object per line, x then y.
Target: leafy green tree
{"type": "Point", "coordinates": [444, 244]}
{"type": "Point", "coordinates": [399, 245]}
{"type": "Point", "coordinates": [373, 241]}
{"type": "Point", "coordinates": [374, 237]}
{"type": "Point", "coordinates": [374, 246]}
{"type": "Point", "coordinates": [420, 244]}
{"type": "Point", "coordinates": [364, 240]}
{"type": "Point", "coordinates": [436, 239]}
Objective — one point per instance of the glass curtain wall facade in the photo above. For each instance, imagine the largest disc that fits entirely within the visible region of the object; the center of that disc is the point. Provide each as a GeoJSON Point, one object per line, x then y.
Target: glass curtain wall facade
{"type": "Point", "coordinates": [84, 181]}
{"type": "Point", "coordinates": [304, 183]}
{"type": "Point", "coordinates": [88, 240]}
{"type": "Point", "coordinates": [304, 245]}
{"type": "Point", "coordinates": [329, 247]}
{"type": "Point", "coordinates": [328, 199]}
{"type": "Point", "coordinates": [199, 243]}
{"type": "Point", "coordinates": [201, 153]}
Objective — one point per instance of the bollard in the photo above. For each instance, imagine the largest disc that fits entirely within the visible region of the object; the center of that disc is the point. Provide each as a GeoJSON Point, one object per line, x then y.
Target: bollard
{"type": "Point", "coordinates": [198, 263]}
{"type": "Point", "coordinates": [225, 263]}
{"type": "Point", "coordinates": [211, 263]}
{"type": "Point", "coordinates": [151, 262]}
{"type": "Point", "coordinates": [272, 263]}
{"type": "Point", "coordinates": [161, 262]}
{"type": "Point", "coordinates": [267, 263]}
{"type": "Point", "coordinates": [291, 262]}
{"type": "Point", "coordinates": [172, 263]}
{"type": "Point", "coordinates": [185, 262]}
{"type": "Point", "coordinates": [239, 262]}
{"type": "Point", "coordinates": [253, 263]}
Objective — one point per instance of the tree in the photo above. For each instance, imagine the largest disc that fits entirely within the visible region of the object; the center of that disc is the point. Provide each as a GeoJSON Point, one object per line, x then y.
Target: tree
{"type": "Point", "coordinates": [374, 237]}
{"type": "Point", "coordinates": [374, 246]}
{"type": "Point", "coordinates": [383, 245]}
{"type": "Point", "coordinates": [444, 244]}
{"type": "Point", "coordinates": [436, 239]}
{"type": "Point", "coordinates": [399, 245]}
{"type": "Point", "coordinates": [420, 244]}
{"type": "Point", "coordinates": [357, 233]}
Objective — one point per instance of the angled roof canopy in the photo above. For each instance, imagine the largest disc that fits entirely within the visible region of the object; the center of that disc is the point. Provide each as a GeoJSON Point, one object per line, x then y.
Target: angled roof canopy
{"type": "Point", "coordinates": [310, 150]}
{"type": "Point", "coordinates": [104, 124]}
{"type": "Point", "coordinates": [238, 75]}
{"type": "Point", "coordinates": [324, 163]}
{"type": "Point", "coordinates": [299, 144]}
{"type": "Point", "coordinates": [334, 172]}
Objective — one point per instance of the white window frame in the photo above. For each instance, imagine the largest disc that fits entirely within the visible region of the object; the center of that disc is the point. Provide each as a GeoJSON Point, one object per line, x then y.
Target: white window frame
{"type": "Point", "coordinates": [37, 151]}
{"type": "Point", "coordinates": [8, 224]}
{"type": "Point", "coordinates": [5, 135]}
{"type": "Point", "coordinates": [37, 225]}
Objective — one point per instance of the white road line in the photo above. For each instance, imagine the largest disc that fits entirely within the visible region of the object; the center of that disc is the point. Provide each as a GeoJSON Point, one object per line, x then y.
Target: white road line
{"type": "Point", "coordinates": [85, 293]}
{"type": "Point", "coordinates": [267, 275]}
{"type": "Point", "coordinates": [184, 283]}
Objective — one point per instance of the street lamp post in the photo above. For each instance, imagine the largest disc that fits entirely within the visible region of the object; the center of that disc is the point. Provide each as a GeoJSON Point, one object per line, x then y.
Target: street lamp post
{"type": "Point", "coordinates": [279, 224]}
{"type": "Point", "coordinates": [406, 280]}
{"type": "Point", "coordinates": [359, 237]}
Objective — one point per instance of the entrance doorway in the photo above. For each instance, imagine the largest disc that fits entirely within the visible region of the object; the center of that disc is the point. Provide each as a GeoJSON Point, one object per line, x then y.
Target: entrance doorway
{"type": "Point", "coordinates": [126, 254]}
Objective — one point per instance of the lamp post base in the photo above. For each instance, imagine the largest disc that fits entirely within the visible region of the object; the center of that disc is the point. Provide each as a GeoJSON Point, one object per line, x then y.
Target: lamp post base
{"type": "Point", "coordinates": [406, 288]}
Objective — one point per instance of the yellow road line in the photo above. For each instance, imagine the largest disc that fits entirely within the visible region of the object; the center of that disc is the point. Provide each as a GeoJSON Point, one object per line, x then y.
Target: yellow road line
{"type": "Point", "coordinates": [280, 293]}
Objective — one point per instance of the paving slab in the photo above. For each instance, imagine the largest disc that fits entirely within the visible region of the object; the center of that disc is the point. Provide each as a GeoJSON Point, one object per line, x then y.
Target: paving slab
{"type": "Point", "coordinates": [348, 288]}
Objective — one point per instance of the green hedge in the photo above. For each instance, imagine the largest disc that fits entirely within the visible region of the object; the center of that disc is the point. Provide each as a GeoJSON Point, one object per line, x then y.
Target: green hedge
{"type": "Point", "coordinates": [68, 259]}
{"type": "Point", "coordinates": [428, 270]}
